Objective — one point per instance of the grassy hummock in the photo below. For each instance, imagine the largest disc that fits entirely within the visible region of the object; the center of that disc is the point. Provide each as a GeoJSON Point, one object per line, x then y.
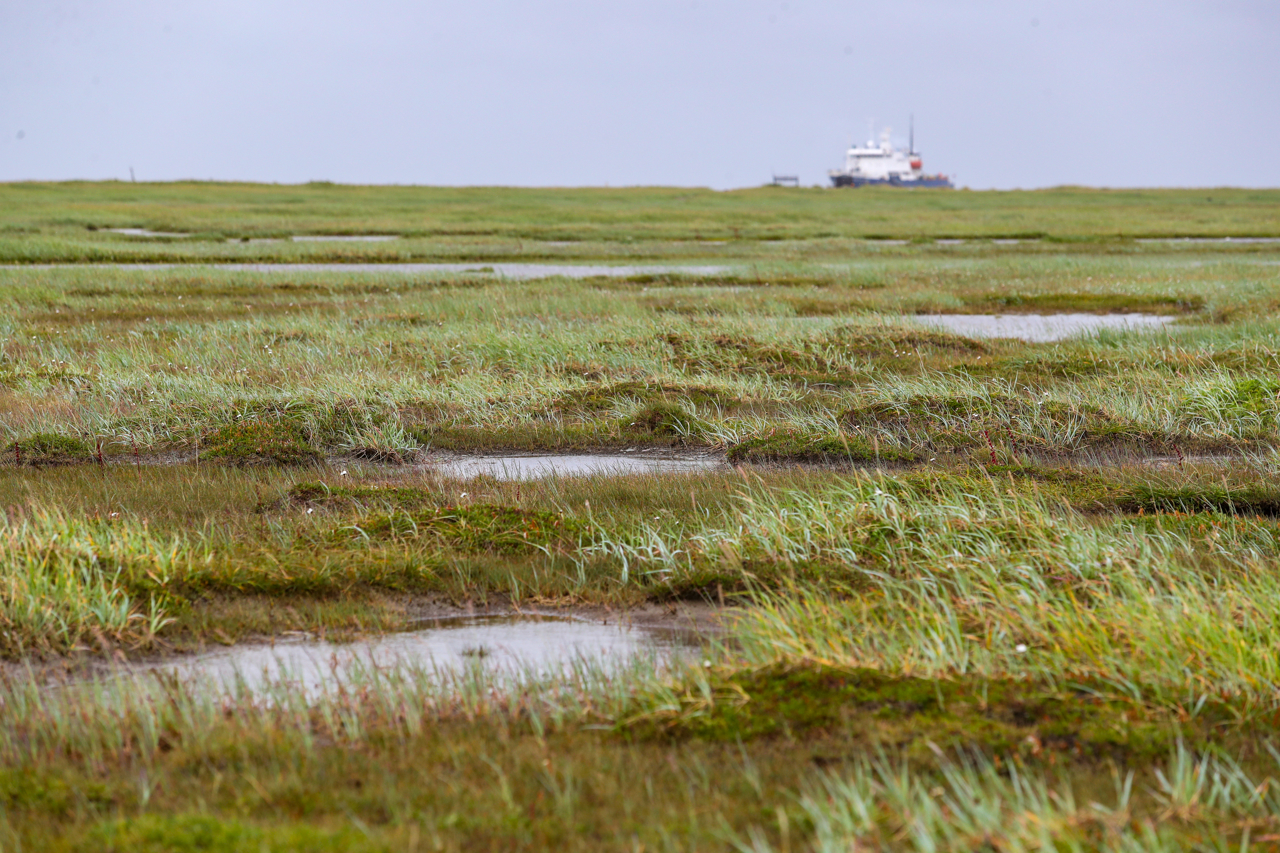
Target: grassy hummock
{"type": "Point", "coordinates": [260, 443]}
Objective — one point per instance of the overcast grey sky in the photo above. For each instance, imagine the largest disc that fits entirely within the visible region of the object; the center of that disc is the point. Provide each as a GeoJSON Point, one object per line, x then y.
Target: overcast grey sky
{"type": "Point", "coordinates": [721, 93]}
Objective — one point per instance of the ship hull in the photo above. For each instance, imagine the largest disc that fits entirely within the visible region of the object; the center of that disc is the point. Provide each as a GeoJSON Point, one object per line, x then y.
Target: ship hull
{"type": "Point", "coordinates": [929, 182]}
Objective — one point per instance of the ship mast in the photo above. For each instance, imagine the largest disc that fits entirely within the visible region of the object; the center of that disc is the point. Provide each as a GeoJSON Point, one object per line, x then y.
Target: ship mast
{"type": "Point", "coordinates": [911, 138]}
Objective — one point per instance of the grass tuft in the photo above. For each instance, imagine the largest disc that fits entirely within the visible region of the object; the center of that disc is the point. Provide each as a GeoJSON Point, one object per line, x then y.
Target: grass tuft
{"type": "Point", "coordinates": [260, 442]}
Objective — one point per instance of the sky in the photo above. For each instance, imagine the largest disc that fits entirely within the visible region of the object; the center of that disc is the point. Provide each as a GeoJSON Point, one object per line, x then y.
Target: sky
{"type": "Point", "coordinates": [718, 93]}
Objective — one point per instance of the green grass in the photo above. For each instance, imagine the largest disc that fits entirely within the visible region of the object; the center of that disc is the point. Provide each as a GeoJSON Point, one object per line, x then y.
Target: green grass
{"type": "Point", "coordinates": [984, 594]}
{"type": "Point", "coordinates": [69, 222]}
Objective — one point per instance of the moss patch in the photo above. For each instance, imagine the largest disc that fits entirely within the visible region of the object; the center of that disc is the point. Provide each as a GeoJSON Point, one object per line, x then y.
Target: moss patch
{"type": "Point", "coordinates": [260, 442]}
{"type": "Point", "coordinates": [1001, 716]}
{"type": "Point", "coordinates": [50, 449]}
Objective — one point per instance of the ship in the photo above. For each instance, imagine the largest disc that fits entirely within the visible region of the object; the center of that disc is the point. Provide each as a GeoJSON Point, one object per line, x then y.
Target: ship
{"type": "Point", "coordinates": [873, 164]}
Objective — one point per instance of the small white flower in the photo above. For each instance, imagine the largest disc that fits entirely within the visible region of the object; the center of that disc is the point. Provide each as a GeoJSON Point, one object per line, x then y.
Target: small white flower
{"type": "Point", "coordinates": [344, 473]}
{"type": "Point", "coordinates": [1020, 648]}
{"type": "Point", "coordinates": [463, 495]}
{"type": "Point", "coordinates": [310, 510]}
{"type": "Point", "coordinates": [707, 664]}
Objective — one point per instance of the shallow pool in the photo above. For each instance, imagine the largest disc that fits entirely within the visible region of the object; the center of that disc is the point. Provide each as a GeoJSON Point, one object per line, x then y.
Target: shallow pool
{"type": "Point", "coordinates": [533, 467]}
{"type": "Point", "coordinates": [1040, 328]}
{"type": "Point", "coordinates": [518, 645]}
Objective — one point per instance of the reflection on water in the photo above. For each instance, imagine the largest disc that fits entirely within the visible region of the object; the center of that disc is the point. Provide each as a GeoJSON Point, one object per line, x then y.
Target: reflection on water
{"type": "Point", "coordinates": [515, 645]}
{"type": "Point", "coordinates": [343, 238]}
{"type": "Point", "coordinates": [533, 467]}
{"type": "Point", "coordinates": [1039, 328]}
{"type": "Point", "coordinates": [143, 232]}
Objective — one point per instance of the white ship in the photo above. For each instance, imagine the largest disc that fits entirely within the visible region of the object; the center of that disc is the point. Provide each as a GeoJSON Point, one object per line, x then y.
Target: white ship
{"type": "Point", "coordinates": [884, 164]}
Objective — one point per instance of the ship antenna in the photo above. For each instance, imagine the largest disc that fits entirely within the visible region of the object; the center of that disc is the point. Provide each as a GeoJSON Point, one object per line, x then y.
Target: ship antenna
{"type": "Point", "coordinates": [911, 138]}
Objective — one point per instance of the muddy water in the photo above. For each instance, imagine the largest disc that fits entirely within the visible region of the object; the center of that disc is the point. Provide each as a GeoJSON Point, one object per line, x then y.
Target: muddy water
{"type": "Point", "coordinates": [511, 644]}
{"type": "Point", "coordinates": [1040, 328]}
{"type": "Point", "coordinates": [533, 467]}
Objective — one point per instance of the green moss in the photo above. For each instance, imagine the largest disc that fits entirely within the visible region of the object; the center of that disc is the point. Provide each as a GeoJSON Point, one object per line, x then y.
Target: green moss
{"type": "Point", "coordinates": [797, 447]}
{"type": "Point", "coordinates": [1001, 716]}
{"type": "Point", "coordinates": [250, 442]}
{"type": "Point", "coordinates": [50, 449]}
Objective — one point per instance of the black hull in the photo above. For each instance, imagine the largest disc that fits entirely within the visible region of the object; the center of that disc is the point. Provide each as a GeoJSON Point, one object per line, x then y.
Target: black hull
{"type": "Point", "coordinates": [930, 182]}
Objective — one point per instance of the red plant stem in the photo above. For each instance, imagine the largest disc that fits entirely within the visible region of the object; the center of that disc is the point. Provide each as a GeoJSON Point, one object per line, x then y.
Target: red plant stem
{"type": "Point", "coordinates": [101, 464]}
{"type": "Point", "coordinates": [1013, 442]}
{"type": "Point", "coordinates": [990, 447]}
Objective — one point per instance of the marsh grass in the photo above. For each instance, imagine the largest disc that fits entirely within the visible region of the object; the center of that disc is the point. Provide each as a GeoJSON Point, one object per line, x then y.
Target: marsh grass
{"type": "Point", "coordinates": [379, 366]}
{"type": "Point", "coordinates": [68, 221]}
{"type": "Point", "coordinates": [1023, 597]}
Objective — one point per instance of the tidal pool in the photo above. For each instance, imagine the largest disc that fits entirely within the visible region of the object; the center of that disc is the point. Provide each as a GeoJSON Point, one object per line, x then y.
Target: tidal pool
{"type": "Point", "coordinates": [514, 645]}
{"type": "Point", "coordinates": [1040, 328]}
{"type": "Point", "coordinates": [533, 467]}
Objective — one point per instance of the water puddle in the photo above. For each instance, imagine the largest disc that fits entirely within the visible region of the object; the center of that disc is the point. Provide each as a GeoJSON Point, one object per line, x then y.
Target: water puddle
{"type": "Point", "coordinates": [343, 238]}
{"type": "Point", "coordinates": [1040, 328]}
{"type": "Point", "coordinates": [534, 467]}
{"type": "Point", "coordinates": [516, 645]}
{"type": "Point", "coordinates": [1208, 240]}
{"type": "Point", "coordinates": [143, 232]}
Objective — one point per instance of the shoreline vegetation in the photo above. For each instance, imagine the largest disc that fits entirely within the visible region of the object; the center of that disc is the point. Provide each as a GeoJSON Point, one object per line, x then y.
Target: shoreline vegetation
{"type": "Point", "coordinates": [970, 593]}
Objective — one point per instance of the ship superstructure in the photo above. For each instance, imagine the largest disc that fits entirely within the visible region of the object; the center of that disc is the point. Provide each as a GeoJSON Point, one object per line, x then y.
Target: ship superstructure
{"type": "Point", "coordinates": [884, 164]}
